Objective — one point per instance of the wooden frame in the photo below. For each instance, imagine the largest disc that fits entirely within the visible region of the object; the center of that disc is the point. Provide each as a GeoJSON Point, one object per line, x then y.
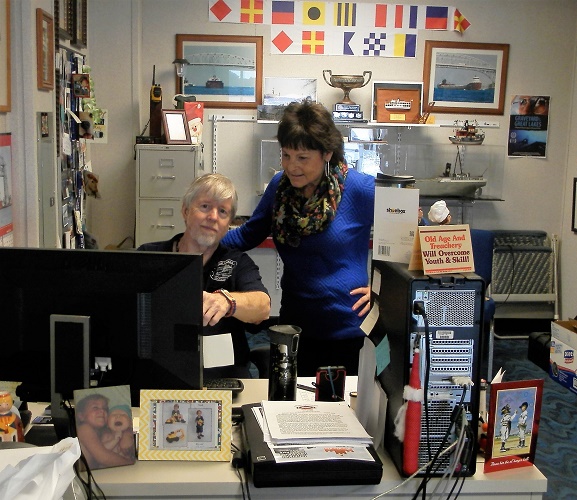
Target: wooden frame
{"type": "Point", "coordinates": [454, 88]}
{"type": "Point", "coordinates": [175, 126]}
{"type": "Point", "coordinates": [64, 18]}
{"type": "Point", "coordinates": [169, 428]}
{"type": "Point", "coordinates": [574, 214]}
{"type": "Point", "coordinates": [238, 84]}
{"type": "Point", "coordinates": [79, 25]}
{"type": "Point", "coordinates": [512, 436]}
{"type": "Point", "coordinates": [387, 92]}
{"type": "Point", "coordinates": [5, 96]}
{"type": "Point", "coordinates": [44, 50]}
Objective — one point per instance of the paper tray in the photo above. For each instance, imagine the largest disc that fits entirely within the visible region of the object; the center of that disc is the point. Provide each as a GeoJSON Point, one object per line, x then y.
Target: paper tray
{"type": "Point", "coordinates": [268, 473]}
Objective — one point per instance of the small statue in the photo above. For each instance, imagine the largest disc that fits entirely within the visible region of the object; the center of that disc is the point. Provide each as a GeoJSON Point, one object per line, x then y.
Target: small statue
{"type": "Point", "coordinates": [10, 423]}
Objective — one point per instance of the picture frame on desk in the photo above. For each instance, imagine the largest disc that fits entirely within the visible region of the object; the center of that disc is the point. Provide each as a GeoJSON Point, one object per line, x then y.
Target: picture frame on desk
{"type": "Point", "coordinates": [462, 77]}
{"type": "Point", "coordinates": [514, 415]}
{"type": "Point", "coordinates": [175, 126]}
{"type": "Point", "coordinates": [44, 50]}
{"type": "Point", "coordinates": [185, 425]}
{"type": "Point", "coordinates": [5, 95]}
{"type": "Point", "coordinates": [234, 83]}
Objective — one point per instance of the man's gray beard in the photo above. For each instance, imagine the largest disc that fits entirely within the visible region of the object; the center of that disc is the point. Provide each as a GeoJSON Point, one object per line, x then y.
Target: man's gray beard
{"type": "Point", "coordinates": [205, 240]}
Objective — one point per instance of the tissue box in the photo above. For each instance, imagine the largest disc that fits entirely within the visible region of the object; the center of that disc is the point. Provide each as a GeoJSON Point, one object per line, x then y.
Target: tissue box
{"type": "Point", "coordinates": [563, 365]}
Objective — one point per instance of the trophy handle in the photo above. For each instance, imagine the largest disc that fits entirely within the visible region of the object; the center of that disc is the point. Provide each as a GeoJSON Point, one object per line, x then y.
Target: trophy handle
{"type": "Point", "coordinates": [370, 73]}
{"type": "Point", "coordinates": [325, 76]}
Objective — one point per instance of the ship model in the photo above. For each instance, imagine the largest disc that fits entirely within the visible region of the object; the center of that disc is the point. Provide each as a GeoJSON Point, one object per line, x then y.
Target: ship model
{"type": "Point", "coordinates": [398, 104]}
{"type": "Point", "coordinates": [469, 133]}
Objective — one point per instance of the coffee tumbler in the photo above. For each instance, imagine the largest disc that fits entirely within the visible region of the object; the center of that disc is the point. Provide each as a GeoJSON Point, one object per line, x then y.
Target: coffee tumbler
{"type": "Point", "coordinates": [282, 382]}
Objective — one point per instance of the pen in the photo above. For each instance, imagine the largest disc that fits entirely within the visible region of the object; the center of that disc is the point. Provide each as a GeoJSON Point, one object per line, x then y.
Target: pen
{"type": "Point", "coordinates": [306, 388]}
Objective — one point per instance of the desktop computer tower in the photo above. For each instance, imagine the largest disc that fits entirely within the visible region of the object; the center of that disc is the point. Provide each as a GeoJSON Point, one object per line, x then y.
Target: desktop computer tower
{"type": "Point", "coordinates": [453, 305]}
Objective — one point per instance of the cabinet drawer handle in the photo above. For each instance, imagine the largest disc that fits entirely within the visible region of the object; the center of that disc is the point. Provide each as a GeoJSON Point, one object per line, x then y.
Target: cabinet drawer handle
{"type": "Point", "coordinates": [166, 177]}
{"type": "Point", "coordinates": [165, 226]}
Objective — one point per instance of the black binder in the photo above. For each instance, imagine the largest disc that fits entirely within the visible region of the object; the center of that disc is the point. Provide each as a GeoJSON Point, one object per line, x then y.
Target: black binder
{"type": "Point", "coordinates": [266, 472]}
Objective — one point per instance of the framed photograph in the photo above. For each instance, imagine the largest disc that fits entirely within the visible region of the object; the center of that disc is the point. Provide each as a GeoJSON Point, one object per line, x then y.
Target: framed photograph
{"type": "Point", "coordinates": [44, 50]}
{"type": "Point", "coordinates": [81, 85]}
{"type": "Point", "coordinates": [222, 71]}
{"type": "Point", "coordinates": [460, 77]}
{"type": "Point", "coordinates": [175, 126]}
{"type": "Point", "coordinates": [574, 214]}
{"type": "Point", "coordinates": [104, 426]}
{"type": "Point", "coordinates": [185, 425]}
{"type": "Point", "coordinates": [5, 97]}
{"type": "Point", "coordinates": [397, 102]}
{"type": "Point", "coordinates": [514, 414]}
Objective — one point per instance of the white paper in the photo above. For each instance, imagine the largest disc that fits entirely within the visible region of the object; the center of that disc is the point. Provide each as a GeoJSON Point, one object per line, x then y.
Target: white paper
{"type": "Point", "coordinates": [217, 350]}
{"type": "Point", "coordinates": [293, 422]}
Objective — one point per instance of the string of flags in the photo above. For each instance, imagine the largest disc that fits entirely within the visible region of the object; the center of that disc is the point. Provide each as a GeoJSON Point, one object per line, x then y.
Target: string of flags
{"type": "Point", "coordinates": [339, 28]}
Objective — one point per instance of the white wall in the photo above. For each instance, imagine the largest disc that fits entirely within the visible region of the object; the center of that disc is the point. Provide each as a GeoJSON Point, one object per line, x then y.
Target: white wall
{"type": "Point", "coordinates": [126, 38]}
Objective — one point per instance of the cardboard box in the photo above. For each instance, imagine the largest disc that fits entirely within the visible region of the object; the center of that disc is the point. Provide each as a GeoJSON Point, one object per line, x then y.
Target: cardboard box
{"type": "Point", "coordinates": [563, 366]}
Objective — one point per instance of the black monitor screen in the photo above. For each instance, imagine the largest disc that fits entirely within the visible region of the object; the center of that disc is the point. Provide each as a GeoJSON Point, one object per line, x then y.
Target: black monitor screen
{"type": "Point", "coordinates": [144, 310]}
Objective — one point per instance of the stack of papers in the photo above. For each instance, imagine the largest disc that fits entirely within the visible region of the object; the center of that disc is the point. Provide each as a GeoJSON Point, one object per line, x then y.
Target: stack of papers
{"type": "Point", "coordinates": [302, 431]}
{"type": "Point", "coordinates": [292, 422]}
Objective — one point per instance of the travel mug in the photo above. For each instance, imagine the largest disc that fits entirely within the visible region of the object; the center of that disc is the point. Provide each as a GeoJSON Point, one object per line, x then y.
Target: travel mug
{"type": "Point", "coordinates": [282, 382]}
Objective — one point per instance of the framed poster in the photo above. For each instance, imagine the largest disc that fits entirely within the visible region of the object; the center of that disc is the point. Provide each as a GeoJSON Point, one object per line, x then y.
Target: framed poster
{"type": "Point", "coordinates": [44, 50]}
{"type": "Point", "coordinates": [5, 104]}
{"type": "Point", "coordinates": [222, 71]}
{"type": "Point", "coordinates": [185, 425]}
{"type": "Point", "coordinates": [460, 77]}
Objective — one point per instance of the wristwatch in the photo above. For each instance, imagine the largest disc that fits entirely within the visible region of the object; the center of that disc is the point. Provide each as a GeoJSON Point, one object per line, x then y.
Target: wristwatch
{"type": "Point", "coordinates": [231, 301]}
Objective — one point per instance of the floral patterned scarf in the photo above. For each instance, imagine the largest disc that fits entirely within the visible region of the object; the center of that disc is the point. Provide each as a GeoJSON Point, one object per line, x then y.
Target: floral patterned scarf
{"type": "Point", "coordinates": [294, 216]}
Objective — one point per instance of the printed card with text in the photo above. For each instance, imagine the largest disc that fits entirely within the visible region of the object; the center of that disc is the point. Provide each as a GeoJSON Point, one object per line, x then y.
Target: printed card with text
{"type": "Point", "coordinates": [443, 250]}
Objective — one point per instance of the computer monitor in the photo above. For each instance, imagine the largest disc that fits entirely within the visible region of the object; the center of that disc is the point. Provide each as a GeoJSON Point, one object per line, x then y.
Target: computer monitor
{"type": "Point", "coordinates": [143, 311]}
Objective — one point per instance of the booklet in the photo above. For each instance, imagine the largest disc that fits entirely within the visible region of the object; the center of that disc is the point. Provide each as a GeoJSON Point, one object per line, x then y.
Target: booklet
{"type": "Point", "coordinates": [292, 422]}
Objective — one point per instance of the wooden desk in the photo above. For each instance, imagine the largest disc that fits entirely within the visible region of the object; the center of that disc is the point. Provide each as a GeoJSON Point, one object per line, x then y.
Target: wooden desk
{"type": "Point", "coordinates": [218, 480]}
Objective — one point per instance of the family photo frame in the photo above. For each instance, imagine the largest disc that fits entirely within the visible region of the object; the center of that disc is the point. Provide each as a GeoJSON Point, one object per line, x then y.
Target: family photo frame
{"type": "Point", "coordinates": [222, 71]}
{"type": "Point", "coordinates": [185, 425]}
{"type": "Point", "coordinates": [461, 77]}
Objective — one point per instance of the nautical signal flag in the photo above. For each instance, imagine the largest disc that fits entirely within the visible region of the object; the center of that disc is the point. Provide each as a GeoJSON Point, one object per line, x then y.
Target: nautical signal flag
{"type": "Point", "coordinates": [282, 12]}
{"type": "Point", "coordinates": [345, 14]}
{"type": "Point", "coordinates": [251, 11]}
{"type": "Point", "coordinates": [313, 42]}
{"type": "Point", "coordinates": [436, 18]}
{"type": "Point", "coordinates": [339, 28]}
{"type": "Point", "coordinates": [460, 22]}
{"type": "Point", "coordinates": [314, 13]}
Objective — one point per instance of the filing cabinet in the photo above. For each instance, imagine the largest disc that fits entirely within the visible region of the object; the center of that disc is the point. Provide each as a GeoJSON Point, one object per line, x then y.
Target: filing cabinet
{"type": "Point", "coordinates": [163, 172]}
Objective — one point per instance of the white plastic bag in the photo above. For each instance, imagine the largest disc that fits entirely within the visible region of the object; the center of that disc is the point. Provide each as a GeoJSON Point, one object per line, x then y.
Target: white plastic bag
{"type": "Point", "coordinates": [45, 472]}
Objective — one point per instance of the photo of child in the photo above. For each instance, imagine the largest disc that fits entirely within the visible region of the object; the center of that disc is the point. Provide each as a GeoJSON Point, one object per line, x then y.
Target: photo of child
{"type": "Point", "coordinates": [118, 435]}
{"type": "Point", "coordinates": [104, 430]}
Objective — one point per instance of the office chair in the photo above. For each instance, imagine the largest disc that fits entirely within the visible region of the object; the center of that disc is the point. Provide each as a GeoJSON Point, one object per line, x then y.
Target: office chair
{"type": "Point", "coordinates": [482, 242]}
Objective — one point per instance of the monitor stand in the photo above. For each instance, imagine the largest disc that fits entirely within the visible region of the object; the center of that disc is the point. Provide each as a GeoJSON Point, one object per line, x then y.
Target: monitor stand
{"type": "Point", "coordinates": [69, 367]}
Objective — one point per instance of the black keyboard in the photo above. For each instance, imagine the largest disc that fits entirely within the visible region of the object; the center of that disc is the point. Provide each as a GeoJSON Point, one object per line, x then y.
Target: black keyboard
{"type": "Point", "coordinates": [224, 384]}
